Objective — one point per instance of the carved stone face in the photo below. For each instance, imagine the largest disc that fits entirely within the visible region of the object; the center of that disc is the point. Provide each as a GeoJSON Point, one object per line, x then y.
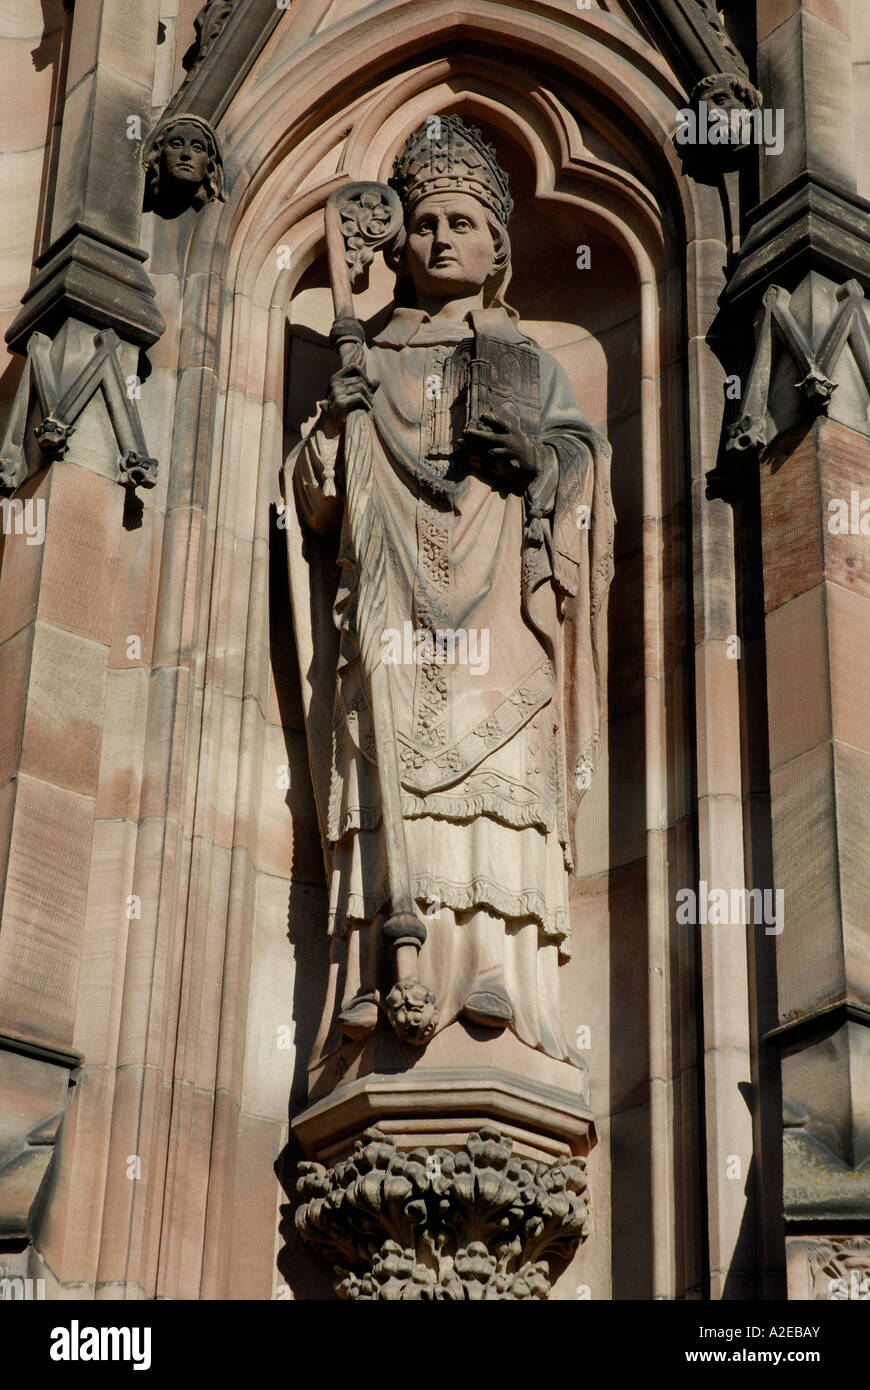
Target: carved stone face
{"type": "Point", "coordinates": [449, 251]}
{"type": "Point", "coordinates": [185, 154]}
{"type": "Point", "coordinates": [721, 93]}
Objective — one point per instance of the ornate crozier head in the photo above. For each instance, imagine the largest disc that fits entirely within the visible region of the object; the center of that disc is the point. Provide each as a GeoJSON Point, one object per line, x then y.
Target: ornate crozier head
{"type": "Point", "coordinates": [183, 165]}
{"type": "Point", "coordinates": [447, 161]}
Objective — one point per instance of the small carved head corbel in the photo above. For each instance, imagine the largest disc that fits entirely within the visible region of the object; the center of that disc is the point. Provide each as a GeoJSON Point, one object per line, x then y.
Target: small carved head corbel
{"type": "Point", "coordinates": [183, 166]}
{"type": "Point", "coordinates": [730, 91]}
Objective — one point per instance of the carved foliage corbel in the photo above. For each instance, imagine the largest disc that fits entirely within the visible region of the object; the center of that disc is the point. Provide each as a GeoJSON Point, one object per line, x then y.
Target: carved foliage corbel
{"type": "Point", "coordinates": [840, 1269]}
{"type": "Point", "coordinates": [61, 407]}
{"type": "Point", "coordinates": [478, 1224]}
{"type": "Point", "coordinates": [815, 365]}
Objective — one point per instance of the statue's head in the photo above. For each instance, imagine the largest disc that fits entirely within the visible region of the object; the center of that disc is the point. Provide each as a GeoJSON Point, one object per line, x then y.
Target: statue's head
{"type": "Point", "coordinates": [457, 204]}
{"type": "Point", "coordinates": [183, 165]}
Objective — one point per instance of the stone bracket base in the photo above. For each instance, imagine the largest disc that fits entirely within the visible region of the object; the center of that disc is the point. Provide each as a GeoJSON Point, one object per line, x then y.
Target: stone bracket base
{"type": "Point", "coordinates": [442, 1107]}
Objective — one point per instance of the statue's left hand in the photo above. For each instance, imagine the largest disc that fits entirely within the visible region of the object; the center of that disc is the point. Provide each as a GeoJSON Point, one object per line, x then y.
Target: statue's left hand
{"type": "Point", "coordinates": [508, 442]}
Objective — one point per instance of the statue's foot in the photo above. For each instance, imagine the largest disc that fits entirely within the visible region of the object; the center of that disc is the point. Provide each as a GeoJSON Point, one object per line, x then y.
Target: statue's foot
{"type": "Point", "coordinates": [490, 1008]}
{"type": "Point", "coordinates": [358, 1017]}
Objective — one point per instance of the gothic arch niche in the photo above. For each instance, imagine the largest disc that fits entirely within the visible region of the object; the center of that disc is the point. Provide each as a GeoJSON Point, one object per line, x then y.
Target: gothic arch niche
{"type": "Point", "coordinates": [618, 328]}
{"type": "Point", "coordinates": [590, 317]}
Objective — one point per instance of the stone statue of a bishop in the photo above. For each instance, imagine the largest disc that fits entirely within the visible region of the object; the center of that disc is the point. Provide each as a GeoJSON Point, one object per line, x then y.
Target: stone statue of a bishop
{"type": "Point", "coordinates": [493, 500]}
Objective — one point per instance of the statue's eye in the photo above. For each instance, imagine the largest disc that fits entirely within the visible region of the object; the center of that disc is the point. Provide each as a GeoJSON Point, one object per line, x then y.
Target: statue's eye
{"type": "Point", "coordinates": [197, 146]}
{"type": "Point", "coordinates": [462, 224]}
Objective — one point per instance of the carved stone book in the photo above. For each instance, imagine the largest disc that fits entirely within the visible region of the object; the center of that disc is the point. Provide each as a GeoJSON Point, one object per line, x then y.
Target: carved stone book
{"type": "Point", "coordinates": [501, 372]}
{"type": "Point", "coordinates": [481, 376]}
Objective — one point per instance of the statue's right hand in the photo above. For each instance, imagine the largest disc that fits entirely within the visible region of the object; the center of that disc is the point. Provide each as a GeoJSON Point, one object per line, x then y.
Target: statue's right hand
{"type": "Point", "coordinates": [350, 389]}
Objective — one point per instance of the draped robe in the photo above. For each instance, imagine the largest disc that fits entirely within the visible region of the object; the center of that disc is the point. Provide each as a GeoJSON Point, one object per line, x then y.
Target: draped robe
{"type": "Point", "coordinates": [494, 754]}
